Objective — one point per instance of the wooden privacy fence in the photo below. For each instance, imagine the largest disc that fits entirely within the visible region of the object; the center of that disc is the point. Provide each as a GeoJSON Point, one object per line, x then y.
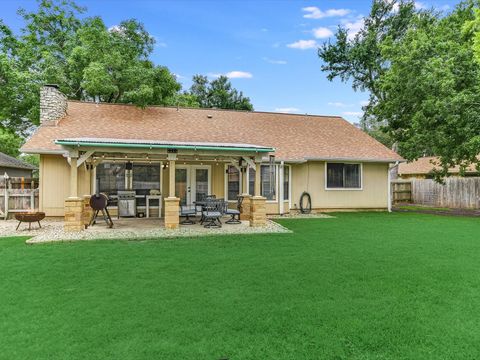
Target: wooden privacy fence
{"type": "Point", "coordinates": [457, 192]}
{"type": "Point", "coordinates": [401, 192]}
{"type": "Point", "coordinates": [17, 195]}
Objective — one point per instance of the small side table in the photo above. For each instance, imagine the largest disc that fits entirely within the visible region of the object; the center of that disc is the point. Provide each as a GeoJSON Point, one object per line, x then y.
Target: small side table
{"type": "Point", "coordinates": [147, 204]}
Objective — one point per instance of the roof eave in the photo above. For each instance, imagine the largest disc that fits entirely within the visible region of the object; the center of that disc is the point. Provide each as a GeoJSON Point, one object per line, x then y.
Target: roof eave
{"type": "Point", "coordinates": [373, 160]}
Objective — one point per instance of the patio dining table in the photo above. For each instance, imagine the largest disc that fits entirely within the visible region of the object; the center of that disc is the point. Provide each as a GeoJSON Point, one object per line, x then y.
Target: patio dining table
{"type": "Point", "coordinates": [201, 204]}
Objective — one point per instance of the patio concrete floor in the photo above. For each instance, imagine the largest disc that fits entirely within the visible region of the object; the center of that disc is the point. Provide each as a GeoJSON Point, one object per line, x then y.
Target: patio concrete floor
{"type": "Point", "coordinates": [128, 229]}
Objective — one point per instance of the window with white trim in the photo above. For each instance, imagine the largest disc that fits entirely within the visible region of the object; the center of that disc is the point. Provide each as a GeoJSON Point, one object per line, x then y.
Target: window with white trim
{"type": "Point", "coordinates": [343, 176]}
{"type": "Point", "coordinates": [233, 182]}
{"type": "Point", "coordinates": [268, 182]}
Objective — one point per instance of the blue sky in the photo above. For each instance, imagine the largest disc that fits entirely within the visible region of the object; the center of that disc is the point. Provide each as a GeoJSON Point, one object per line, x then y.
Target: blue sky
{"type": "Point", "coordinates": [268, 48]}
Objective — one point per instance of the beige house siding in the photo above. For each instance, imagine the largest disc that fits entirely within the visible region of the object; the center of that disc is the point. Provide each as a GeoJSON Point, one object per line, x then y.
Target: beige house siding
{"type": "Point", "coordinates": [55, 183]}
{"type": "Point", "coordinates": [55, 176]}
{"type": "Point", "coordinates": [310, 177]}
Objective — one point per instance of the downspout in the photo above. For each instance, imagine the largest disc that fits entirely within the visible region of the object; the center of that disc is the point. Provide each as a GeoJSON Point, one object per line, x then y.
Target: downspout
{"type": "Point", "coordinates": [281, 190]}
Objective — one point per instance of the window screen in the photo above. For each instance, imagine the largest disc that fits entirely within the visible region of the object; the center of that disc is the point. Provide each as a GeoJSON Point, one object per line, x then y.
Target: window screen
{"type": "Point", "coordinates": [286, 173]}
{"type": "Point", "coordinates": [233, 182]}
{"type": "Point", "coordinates": [110, 177]}
{"type": "Point", "coordinates": [146, 177]}
{"type": "Point", "coordinates": [268, 182]}
{"type": "Point", "coordinates": [341, 175]}
{"type": "Point", "coordinates": [251, 181]}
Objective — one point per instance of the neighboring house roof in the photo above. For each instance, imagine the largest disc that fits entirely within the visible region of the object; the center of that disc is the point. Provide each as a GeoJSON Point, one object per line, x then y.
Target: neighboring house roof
{"type": "Point", "coordinates": [426, 165]}
{"type": "Point", "coordinates": [11, 162]}
{"type": "Point", "coordinates": [294, 137]}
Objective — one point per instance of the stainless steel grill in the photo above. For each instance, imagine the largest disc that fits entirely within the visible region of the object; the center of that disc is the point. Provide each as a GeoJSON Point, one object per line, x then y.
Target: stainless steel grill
{"type": "Point", "coordinates": [127, 204]}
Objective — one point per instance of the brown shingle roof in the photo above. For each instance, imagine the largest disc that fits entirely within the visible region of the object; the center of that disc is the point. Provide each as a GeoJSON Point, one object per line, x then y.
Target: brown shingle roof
{"type": "Point", "coordinates": [11, 162]}
{"type": "Point", "coordinates": [295, 137]}
{"type": "Point", "coordinates": [427, 164]}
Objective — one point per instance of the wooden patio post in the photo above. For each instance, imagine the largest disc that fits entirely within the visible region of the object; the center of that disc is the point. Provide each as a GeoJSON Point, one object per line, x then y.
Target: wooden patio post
{"type": "Point", "coordinates": [258, 212]}
{"type": "Point", "coordinates": [245, 209]}
{"type": "Point", "coordinates": [73, 178]}
{"type": "Point", "coordinates": [73, 204]}
{"type": "Point", "coordinates": [257, 179]}
{"type": "Point", "coordinates": [171, 179]}
{"type": "Point", "coordinates": [172, 216]}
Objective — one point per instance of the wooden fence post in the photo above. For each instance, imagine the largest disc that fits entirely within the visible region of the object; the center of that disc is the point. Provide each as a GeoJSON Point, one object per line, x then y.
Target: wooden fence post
{"type": "Point", "coordinates": [6, 197]}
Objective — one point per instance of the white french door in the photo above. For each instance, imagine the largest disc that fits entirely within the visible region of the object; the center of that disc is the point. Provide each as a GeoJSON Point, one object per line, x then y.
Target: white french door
{"type": "Point", "coordinates": [192, 182]}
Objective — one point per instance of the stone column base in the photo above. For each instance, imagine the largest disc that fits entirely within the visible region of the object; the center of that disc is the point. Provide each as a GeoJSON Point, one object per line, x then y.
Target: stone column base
{"type": "Point", "coordinates": [73, 215]}
{"type": "Point", "coordinates": [258, 211]}
{"type": "Point", "coordinates": [245, 211]}
{"type": "Point", "coordinates": [172, 216]}
{"type": "Point", "coordinates": [87, 211]}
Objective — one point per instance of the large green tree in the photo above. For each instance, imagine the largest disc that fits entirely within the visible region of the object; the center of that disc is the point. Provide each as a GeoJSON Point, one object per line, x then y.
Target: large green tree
{"type": "Point", "coordinates": [358, 60]}
{"type": "Point", "coordinates": [420, 71]}
{"type": "Point", "coordinates": [431, 90]}
{"type": "Point", "coordinates": [218, 93]}
{"type": "Point", "coordinates": [83, 56]}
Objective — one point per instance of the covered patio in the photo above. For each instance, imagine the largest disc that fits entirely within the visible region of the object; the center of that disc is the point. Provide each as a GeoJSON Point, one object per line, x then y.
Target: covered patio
{"type": "Point", "coordinates": [176, 174]}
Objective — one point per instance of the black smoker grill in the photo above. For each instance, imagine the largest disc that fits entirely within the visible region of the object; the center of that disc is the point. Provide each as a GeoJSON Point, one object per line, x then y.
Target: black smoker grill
{"type": "Point", "coordinates": [127, 204]}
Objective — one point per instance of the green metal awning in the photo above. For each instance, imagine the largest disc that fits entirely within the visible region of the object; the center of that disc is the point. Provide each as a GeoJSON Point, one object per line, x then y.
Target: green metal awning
{"type": "Point", "coordinates": [153, 144]}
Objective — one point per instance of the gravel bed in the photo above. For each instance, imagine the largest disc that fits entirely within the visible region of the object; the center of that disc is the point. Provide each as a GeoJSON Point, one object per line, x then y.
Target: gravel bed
{"type": "Point", "coordinates": [52, 231]}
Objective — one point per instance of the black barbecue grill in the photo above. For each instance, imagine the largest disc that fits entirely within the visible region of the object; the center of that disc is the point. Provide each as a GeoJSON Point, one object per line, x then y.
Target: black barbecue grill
{"type": "Point", "coordinates": [99, 202]}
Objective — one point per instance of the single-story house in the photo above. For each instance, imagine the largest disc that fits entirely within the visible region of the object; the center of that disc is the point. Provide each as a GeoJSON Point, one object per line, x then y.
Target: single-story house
{"type": "Point", "coordinates": [185, 153]}
{"type": "Point", "coordinates": [423, 167]}
{"type": "Point", "coordinates": [13, 167]}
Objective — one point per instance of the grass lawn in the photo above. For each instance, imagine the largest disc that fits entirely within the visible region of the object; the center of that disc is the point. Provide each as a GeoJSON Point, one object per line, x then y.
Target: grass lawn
{"type": "Point", "coordinates": [360, 286]}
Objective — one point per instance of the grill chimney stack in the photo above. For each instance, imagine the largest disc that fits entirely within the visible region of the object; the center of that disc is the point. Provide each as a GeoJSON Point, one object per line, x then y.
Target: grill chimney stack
{"type": "Point", "coordinates": [53, 105]}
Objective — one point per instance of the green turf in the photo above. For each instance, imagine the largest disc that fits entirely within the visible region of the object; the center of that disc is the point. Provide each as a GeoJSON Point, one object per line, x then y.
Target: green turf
{"type": "Point", "coordinates": [420, 207]}
{"type": "Point", "coordinates": [359, 286]}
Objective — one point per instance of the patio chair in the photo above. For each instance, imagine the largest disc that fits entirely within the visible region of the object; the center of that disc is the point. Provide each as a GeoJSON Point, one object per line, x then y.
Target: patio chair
{"type": "Point", "coordinates": [187, 211]}
{"type": "Point", "coordinates": [212, 212]}
{"type": "Point", "coordinates": [234, 212]}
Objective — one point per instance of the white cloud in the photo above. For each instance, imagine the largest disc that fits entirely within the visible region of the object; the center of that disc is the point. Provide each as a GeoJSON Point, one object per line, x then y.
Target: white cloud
{"type": "Point", "coordinates": [239, 75]}
{"type": "Point", "coordinates": [273, 61]}
{"type": "Point", "coordinates": [178, 76]}
{"type": "Point", "coordinates": [303, 44]}
{"type": "Point", "coordinates": [353, 27]}
{"type": "Point", "coordinates": [287, 109]}
{"type": "Point", "coordinates": [322, 33]}
{"type": "Point", "coordinates": [314, 12]}
{"type": "Point", "coordinates": [339, 104]}
{"type": "Point", "coordinates": [115, 28]}
{"type": "Point", "coordinates": [232, 75]}
{"type": "Point", "coordinates": [364, 102]}
{"type": "Point", "coordinates": [420, 5]}
{"type": "Point", "coordinates": [214, 75]}
{"type": "Point", "coordinates": [161, 44]}
{"type": "Point", "coordinates": [353, 113]}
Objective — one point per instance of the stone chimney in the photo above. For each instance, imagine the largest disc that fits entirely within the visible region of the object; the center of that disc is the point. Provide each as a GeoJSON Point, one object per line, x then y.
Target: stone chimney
{"type": "Point", "coordinates": [53, 105]}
